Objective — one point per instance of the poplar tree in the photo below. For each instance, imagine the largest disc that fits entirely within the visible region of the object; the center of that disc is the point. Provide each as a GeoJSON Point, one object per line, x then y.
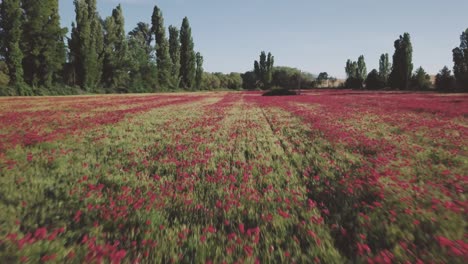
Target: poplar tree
{"type": "Point", "coordinates": [163, 60]}
{"type": "Point", "coordinates": [402, 69]}
{"type": "Point", "coordinates": [264, 69]}
{"type": "Point", "coordinates": [86, 45]}
{"type": "Point", "coordinates": [116, 59]}
{"type": "Point", "coordinates": [269, 69]}
{"type": "Point", "coordinates": [199, 71]}
{"type": "Point", "coordinates": [460, 59]}
{"type": "Point", "coordinates": [10, 36]}
{"type": "Point", "coordinates": [42, 42]}
{"type": "Point", "coordinates": [362, 69]}
{"type": "Point", "coordinates": [187, 55]}
{"type": "Point", "coordinates": [351, 69]}
{"type": "Point", "coordinates": [143, 76]}
{"type": "Point", "coordinates": [356, 73]}
{"type": "Point", "coordinates": [384, 67]}
{"type": "Point", "coordinates": [174, 51]}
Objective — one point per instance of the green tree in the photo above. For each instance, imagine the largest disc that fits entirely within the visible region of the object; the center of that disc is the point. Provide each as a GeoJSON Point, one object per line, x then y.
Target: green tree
{"type": "Point", "coordinates": [321, 78]}
{"type": "Point", "coordinates": [42, 42]}
{"type": "Point", "coordinates": [163, 60]}
{"type": "Point", "coordinates": [4, 79]}
{"type": "Point", "coordinates": [249, 80]}
{"type": "Point", "coordinates": [235, 81]}
{"type": "Point", "coordinates": [291, 78]}
{"type": "Point", "coordinates": [264, 70]}
{"type": "Point", "coordinates": [356, 73]}
{"type": "Point", "coordinates": [10, 36]}
{"type": "Point", "coordinates": [174, 52]}
{"type": "Point", "coordinates": [143, 73]}
{"type": "Point", "coordinates": [362, 69]}
{"type": "Point", "coordinates": [384, 67]}
{"type": "Point", "coordinates": [402, 69]}
{"type": "Point", "coordinates": [210, 81]}
{"type": "Point", "coordinates": [142, 34]}
{"type": "Point", "coordinates": [460, 59]}
{"type": "Point", "coordinates": [375, 80]}
{"type": "Point", "coordinates": [86, 46]}
{"type": "Point", "coordinates": [116, 54]}
{"type": "Point", "coordinates": [187, 55]}
{"type": "Point", "coordinates": [199, 71]}
{"type": "Point", "coordinates": [420, 80]}
{"type": "Point", "coordinates": [351, 69]}
{"type": "Point", "coordinates": [445, 81]}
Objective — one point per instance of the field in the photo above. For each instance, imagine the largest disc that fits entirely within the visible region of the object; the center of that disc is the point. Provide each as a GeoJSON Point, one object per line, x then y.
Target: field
{"type": "Point", "coordinates": [324, 177]}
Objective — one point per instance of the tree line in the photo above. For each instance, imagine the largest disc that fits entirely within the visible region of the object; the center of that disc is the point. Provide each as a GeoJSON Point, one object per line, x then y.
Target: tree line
{"type": "Point", "coordinates": [37, 57]}
{"type": "Point", "coordinates": [400, 75]}
{"type": "Point", "coordinates": [265, 75]}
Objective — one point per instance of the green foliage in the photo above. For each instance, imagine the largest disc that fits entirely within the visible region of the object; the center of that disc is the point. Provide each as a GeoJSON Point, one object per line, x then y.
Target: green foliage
{"type": "Point", "coordinates": [402, 69]}
{"type": "Point", "coordinates": [445, 81]}
{"type": "Point", "coordinates": [42, 42]}
{"type": "Point", "coordinates": [460, 59]}
{"type": "Point", "coordinates": [4, 79]}
{"type": "Point", "coordinates": [218, 80]}
{"type": "Point", "coordinates": [163, 59]}
{"type": "Point", "coordinates": [116, 53]}
{"type": "Point", "coordinates": [362, 69]}
{"type": "Point", "coordinates": [356, 73]}
{"type": "Point", "coordinates": [10, 37]}
{"type": "Point", "coordinates": [264, 70]}
{"type": "Point", "coordinates": [375, 80]}
{"type": "Point", "coordinates": [143, 73]}
{"type": "Point", "coordinates": [421, 80]}
{"type": "Point", "coordinates": [199, 71]}
{"type": "Point", "coordinates": [351, 69]}
{"type": "Point", "coordinates": [86, 46]}
{"type": "Point", "coordinates": [210, 81]}
{"type": "Point", "coordinates": [322, 77]}
{"type": "Point", "coordinates": [282, 77]}
{"type": "Point", "coordinates": [235, 81]}
{"type": "Point", "coordinates": [187, 56]}
{"type": "Point", "coordinates": [249, 80]}
{"type": "Point", "coordinates": [384, 67]}
{"type": "Point", "coordinates": [174, 52]}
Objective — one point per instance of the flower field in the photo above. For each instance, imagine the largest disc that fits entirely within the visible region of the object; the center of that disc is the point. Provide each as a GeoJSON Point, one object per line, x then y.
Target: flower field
{"type": "Point", "coordinates": [324, 177]}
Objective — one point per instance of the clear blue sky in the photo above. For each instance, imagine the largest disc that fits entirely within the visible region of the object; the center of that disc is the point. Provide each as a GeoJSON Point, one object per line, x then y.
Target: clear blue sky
{"type": "Point", "coordinates": [314, 36]}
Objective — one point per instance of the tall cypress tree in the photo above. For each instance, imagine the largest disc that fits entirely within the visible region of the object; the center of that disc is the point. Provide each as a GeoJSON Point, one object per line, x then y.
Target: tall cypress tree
{"type": "Point", "coordinates": [187, 55]}
{"type": "Point", "coordinates": [199, 71]}
{"type": "Point", "coordinates": [402, 69]}
{"type": "Point", "coordinates": [116, 58]}
{"type": "Point", "coordinates": [163, 60]}
{"type": "Point", "coordinates": [86, 45]}
{"type": "Point", "coordinates": [174, 51]}
{"type": "Point", "coordinates": [10, 36]}
{"type": "Point", "coordinates": [42, 42]}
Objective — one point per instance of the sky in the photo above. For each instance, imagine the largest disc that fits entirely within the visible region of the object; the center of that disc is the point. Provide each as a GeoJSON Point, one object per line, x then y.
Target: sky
{"type": "Point", "coordinates": [312, 35]}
